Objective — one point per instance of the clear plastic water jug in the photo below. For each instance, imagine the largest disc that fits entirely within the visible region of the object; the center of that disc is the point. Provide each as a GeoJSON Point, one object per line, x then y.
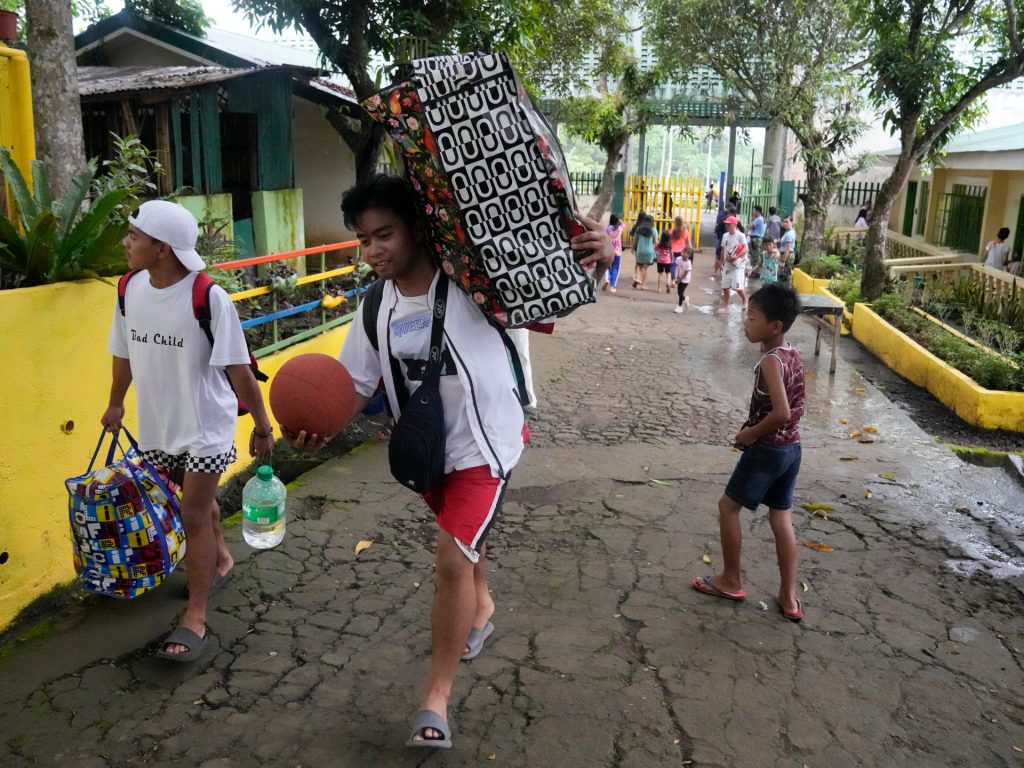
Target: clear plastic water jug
{"type": "Point", "coordinates": [263, 509]}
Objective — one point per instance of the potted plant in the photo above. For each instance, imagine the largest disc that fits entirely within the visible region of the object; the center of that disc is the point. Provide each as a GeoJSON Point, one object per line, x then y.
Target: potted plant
{"type": "Point", "coordinates": [9, 19]}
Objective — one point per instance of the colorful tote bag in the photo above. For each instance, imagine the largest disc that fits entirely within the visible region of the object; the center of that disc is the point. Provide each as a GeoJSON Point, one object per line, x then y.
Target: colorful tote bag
{"type": "Point", "coordinates": [492, 183]}
{"type": "Point", "coordinates": [126, 530]}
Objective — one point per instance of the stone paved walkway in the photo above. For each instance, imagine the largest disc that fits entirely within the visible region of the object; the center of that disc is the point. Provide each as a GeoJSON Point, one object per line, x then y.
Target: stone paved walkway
{"type": "Point", "coordinates": [910, 655]}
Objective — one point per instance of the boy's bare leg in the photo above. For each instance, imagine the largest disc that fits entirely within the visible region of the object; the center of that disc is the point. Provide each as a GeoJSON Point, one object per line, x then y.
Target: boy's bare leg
{"type": "Point", "coordinates": [731, 577]}
{"type": "Point", "coordinates": [786, 551]}
{"type": "Point", "coordinates": [198, 497]}
{"type": "Point", "coordinates": [225, 560]}
{"type": "Point", "coordinates": [743, 295]}
{"type": "Point", "coordinates": [484, 602]}
{"type": "Point", "coordinates": [451, 618]}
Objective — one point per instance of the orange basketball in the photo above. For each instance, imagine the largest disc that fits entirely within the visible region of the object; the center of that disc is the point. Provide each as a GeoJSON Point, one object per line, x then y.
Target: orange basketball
{"type": "Point", "coordinates": [314, 393]}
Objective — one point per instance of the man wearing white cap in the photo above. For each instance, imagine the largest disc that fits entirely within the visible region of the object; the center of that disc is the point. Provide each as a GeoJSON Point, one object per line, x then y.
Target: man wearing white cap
{"type": "Point", "coordinates": [735, 260]}
{"type": "Point", "coordinates": [187, 411]}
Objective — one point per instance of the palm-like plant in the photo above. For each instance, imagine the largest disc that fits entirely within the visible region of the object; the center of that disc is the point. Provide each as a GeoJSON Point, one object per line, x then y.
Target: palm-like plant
{"type": "Point", "coordinates": [56, 240]}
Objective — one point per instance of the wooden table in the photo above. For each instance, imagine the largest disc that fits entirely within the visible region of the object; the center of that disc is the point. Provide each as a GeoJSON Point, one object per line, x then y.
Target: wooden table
{"type": "Point", "coordinates": [818, 309]}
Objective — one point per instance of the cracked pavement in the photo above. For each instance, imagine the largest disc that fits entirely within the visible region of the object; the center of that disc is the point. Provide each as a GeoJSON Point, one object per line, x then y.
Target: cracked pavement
{"type": "Point", "coordinates": [910, 654]}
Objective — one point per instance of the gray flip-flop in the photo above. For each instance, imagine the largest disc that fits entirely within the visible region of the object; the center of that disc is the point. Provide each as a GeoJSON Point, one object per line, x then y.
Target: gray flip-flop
{"type": "Point", "coordinates": [424, 719]}
{"type": "Point", "coordinates": [182, 636]}
{"type": "Point", "coordinates": [217, 583]}
{"type": "Point", "coordinates": [476, 640]}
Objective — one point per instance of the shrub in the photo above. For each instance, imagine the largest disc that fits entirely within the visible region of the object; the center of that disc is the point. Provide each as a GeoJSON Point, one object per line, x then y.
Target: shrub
{"type": "Point", "coordinates": [987, 369]}
{"type": "Point", "coordinates": [823, 266]}
{"type": "Point", "coordinates": [846, 287]}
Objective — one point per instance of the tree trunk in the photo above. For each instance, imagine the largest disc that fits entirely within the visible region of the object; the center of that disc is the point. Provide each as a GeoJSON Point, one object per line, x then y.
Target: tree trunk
{"type": "Point", "coordinates": [815, 213]}
{"type": "Point", "coordinates": [873, 282]}
{"type": "Point", "coordinates": [604, 192]}
{"type": "Point", "coordinates": [51, 48]}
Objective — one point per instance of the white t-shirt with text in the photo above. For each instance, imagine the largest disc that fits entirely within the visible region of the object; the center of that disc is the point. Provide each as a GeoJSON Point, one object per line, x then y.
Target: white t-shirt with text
{"type": "Point", "coordinates": [184, 400]}
{"type": "Point", "coordinates": [731, 245]}
{"type": "Point", "coordinates": [410, 320]}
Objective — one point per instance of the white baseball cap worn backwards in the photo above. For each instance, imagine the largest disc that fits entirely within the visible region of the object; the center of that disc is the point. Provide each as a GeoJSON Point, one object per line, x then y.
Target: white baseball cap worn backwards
{"type": "Point", "coordinates": [172, 224]}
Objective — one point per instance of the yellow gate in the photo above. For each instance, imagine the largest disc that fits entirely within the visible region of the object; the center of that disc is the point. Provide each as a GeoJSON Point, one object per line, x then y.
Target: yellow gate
{"type": "Point", "coordinates": [664, 198]}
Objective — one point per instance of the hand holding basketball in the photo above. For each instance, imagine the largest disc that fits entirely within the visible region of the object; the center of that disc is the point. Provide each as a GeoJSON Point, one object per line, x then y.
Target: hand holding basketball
{"type": "Point", "coordinates": [312, 396]}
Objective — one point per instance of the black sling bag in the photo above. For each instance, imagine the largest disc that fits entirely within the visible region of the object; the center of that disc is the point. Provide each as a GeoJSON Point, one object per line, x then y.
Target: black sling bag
{"type": "Point", "coordinates": [417, 447]}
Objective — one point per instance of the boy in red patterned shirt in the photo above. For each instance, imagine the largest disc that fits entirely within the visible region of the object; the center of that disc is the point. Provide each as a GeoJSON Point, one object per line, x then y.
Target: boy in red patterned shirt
{"type": "Point", "coordinates": [770, 440]}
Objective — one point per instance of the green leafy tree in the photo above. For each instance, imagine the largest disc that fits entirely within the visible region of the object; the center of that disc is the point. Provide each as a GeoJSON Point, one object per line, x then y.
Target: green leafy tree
{"type": "Point", "coordinates": [186, 15]}
{"type": "Point", "coordinates": [606, 102]}
{"type": "Point", "coordinates": [930, 62]}
{"type": "Point", "coordinates": [788, 60]}
{"type": "Point", "coordinates": [354, 34]}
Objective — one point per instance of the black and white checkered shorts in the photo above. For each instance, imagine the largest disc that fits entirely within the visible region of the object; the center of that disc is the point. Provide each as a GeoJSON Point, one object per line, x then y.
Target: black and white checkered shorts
{"type": "Point", "coordinates": [213, 465]}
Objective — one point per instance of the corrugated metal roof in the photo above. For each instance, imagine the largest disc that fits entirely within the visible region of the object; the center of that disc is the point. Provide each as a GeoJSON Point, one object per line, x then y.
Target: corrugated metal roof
{"type": "Point", "coordinates": [1009, 138]}
{"type": "Point", "coordinates": [97, 81]}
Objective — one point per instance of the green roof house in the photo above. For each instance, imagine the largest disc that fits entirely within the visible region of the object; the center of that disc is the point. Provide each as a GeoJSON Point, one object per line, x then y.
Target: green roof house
{"type": "Point", "coordinates": [241, 124]}
{"type": "Point", "coordinates": [961, 202]}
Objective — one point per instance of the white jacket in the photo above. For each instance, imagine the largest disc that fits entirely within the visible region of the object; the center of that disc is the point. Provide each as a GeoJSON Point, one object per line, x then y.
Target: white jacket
{"type": "Point", "coordinates": [492, 400]}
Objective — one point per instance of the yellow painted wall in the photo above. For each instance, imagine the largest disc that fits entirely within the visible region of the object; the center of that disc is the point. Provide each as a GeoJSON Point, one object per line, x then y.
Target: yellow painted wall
{"type": "Point", "coordinates": [58, 372]}
{"type": "Point", "coordinates": [984, 408]}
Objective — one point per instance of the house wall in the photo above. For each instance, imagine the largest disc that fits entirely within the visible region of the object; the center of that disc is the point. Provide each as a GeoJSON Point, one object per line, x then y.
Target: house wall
{"type": "Point", "coordinates": [324, 168]}
{"type": "Point", "coordinates": [131, 49]}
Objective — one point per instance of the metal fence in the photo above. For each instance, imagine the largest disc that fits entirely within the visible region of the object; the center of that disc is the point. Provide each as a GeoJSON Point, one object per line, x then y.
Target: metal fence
{"type": "Point", "coordinates": [958, 216]}
{"type": "Point", "coordinates": [853, 193]}
{"type": "Point", "coordinates": [585, 183]}
{"type": "Point", "coordinates": [756, 190]}
{"type": "Point", "coordinates": [664, 198]}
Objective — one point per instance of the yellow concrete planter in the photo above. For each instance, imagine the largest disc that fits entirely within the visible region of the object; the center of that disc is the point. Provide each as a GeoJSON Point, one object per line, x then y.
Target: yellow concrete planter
{"type": "Point", "coordinates": [986, 408]}
{"type": "Point", "coordinates": [55, 387]}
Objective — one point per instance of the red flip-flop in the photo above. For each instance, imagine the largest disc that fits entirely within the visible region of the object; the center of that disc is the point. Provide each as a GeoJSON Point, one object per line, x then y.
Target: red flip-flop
{"type": "Point", "coordinates": [708, 587]}
{"type": "Point", "coordinates": [796, 615]}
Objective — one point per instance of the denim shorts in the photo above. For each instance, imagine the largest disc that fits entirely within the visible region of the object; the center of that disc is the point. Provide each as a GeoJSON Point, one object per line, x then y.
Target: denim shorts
{"type": "Point", "coordinates": [765, 474]}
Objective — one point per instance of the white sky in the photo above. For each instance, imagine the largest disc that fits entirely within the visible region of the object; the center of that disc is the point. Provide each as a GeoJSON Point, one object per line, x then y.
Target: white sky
{"type": "Point", "coordinates": [224, 17]}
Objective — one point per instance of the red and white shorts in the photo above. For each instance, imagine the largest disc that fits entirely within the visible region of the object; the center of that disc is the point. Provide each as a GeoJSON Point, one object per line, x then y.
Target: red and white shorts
{"type": "Point", "coordinates": [466, 505]}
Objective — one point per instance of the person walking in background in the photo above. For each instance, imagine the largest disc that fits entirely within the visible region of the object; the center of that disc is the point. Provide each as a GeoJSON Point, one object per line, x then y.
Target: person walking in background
{"type": "Point", "coordinates": [709, 197]}
{"type": "Point", "coordinates": [614, 229]}
{"type": "Point", "coordinates": [757, 227]}
{"type": "Point", "coordinates": [644, 240]}
{"type": "Point", "coordinates": [787, 250]}
{"type": "Point", "coordinates": [663, 255]}
{"type": "Point", "coordinates": [773, 228]}
{"type": "Point", "coordinates": [997, 251]}
{"type": "Point", "coordinates": [735, 260]}
{"type": "Point", "coordinates": [723, 214]}
{"type": "Point", "coordinates": [680, 241]}
{"type": "Point", "coordinates": [770, 440]}
{"type": "Point", "coordinates": [684, 271]}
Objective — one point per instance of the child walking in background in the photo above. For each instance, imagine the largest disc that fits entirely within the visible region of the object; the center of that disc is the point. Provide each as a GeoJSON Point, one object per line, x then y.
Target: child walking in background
{"type": "Point", "coordinates": [663, 250]}
{"type": "Point", "coordinates": [644, 238]}
{"type": "Point", "coordinates": [680, 242]}
{"type": "Point", "coordinates": [769, 262]}
{"type": "Point", "coordinates": [770, 440]}
{"type": "Point", "coordinates": [614, 229]}
{"type": "Point", "coordinates": [684, 271]}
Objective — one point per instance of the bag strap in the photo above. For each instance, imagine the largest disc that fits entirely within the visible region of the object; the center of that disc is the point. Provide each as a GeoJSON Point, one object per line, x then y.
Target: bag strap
{"type": "Point", "coordinates": [432, 371]}
{"type": "Point", "coordinates": [371, 308]}
{"type": "Point", "coordinates": [201, 303]}
{"type": "Point", "coordinates": [122, 289]}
